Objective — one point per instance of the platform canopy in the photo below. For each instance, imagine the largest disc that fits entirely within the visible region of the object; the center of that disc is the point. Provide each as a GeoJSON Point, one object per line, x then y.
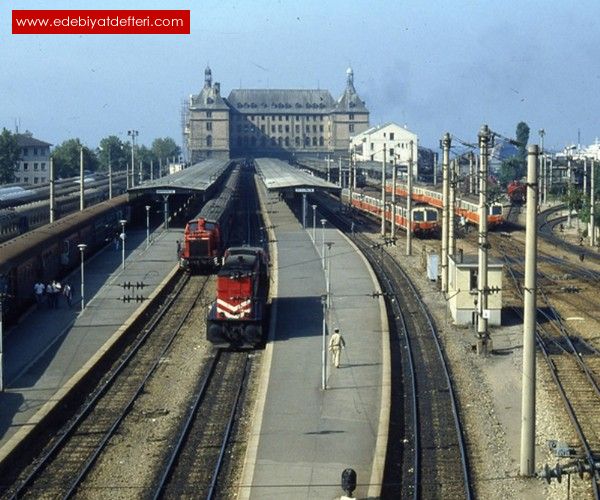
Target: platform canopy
{"type": "Point", "coordinates": [197, 178]}
{"type": "Point", "coordinates": [279, 175]}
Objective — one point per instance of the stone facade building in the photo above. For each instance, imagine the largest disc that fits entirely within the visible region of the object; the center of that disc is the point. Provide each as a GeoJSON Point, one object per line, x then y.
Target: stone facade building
{"type": "Point", "coordinates": [33, 166]}
{"type": "Point", "coordinates": [265, 122]}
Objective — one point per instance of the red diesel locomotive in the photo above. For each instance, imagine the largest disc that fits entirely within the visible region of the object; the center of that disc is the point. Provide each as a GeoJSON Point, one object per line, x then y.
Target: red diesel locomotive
{"type": "Point", "coordinates": [237, 318]}
{"type": "Point", "coordinates": [206, 236]}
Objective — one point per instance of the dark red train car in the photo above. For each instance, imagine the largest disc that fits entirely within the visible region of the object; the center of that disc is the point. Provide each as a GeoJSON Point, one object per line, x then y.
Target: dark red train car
{"type": "Point", "coordinates": [238, 316]}
{"type": "Point", "coordinates": [206, 236]}
{"type": "Point", "coordinates": [516, 192]}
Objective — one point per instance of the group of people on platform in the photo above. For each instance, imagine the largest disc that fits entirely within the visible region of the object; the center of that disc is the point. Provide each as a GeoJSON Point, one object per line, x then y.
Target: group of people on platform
{"type": "Point", "coordinates": [52, 292]}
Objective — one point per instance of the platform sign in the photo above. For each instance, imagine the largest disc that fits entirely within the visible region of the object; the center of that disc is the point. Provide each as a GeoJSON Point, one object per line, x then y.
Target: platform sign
{"type": "Point", "coordinates": [304, 190]}
{"type": "Point", "coordinates": [165, 191]}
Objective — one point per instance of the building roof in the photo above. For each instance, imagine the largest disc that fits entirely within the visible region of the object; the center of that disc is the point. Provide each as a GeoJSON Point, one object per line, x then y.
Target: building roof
{"type": "Point", "coordinates": [471, 261]}
{"type": "Point", "coordinates": [27, 139]}
{"type": "Point", "coordinates": [377, 128]}
{"type": "Point", "coordinates": [292, 101]}
{"type": "Point", "coordinates": [278, 175]}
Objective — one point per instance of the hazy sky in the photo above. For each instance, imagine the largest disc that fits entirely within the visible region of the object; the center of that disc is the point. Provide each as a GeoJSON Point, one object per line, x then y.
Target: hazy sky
{"type": "Point", "coordinates": [435, 66]}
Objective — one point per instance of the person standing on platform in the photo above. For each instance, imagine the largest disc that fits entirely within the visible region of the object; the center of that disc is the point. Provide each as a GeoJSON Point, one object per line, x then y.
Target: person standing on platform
{"type": "Point", "coordinates": [68, 293]}
{"type": "Point", "coordinates": [50, 295]}
{"type": "Point", "coordinates": [38, 290]}
{"type": "Point", "coordinates": [178, 249]}
{"type": "Point", "coordinates": [336, 344]}
{"type": "Point", "coordinates": [116, 242]}
{"type": "Point", "coordinates": [57, 289]}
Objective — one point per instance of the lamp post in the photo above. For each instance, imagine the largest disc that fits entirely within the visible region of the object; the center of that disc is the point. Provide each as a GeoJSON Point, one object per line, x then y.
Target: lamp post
{"type": "Point", "coordinates": [328, 273]}
{"type": "Point", "coordinates": [323, 221]}
{"type": "Point", "coordinates": [314, 207]}
{"type": "Point", "coordinates": [133, 134]}
{"type": "Point", "coordinates": [324, 344]}
{"type": "Point", "coordinates": [147, 226]}
{"type": "Point", "coordinates": [82, 247]}
{"type": "Point", "coordinates": [123, 222]}
{"type": "Point", "coordinates": [81, 180]}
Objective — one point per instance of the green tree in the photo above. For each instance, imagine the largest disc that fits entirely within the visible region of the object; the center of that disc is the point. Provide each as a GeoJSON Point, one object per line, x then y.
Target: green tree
{"type": "Point", "coordinates": [119, 153]}
{"type": "Point", "coordinates": [164, 148]}
{"type": "Point", "coordinates": [574, 198]}
{"type": "Point", "coordinates": [66, 158]}
{"type": "Point", "coordinates": [9, 156]}
{"type": "Point", "coordinates": [522, 135]}
{"type": "Point", "coordinates": [511, 169]}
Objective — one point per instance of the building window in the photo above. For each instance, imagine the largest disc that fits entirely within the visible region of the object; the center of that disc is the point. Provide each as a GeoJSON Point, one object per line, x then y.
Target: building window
{"type": "Point", "coordinates": [297, 141]}
{"type": "Point", "coordinates": [372, 157]}
{"type": "Point", "coordinates": [35, 166]}
{"type": "Point", "coordinates": [314, 141]}
{"type": "Point", "coordinates": [25, 150]}
{"type": "Point", "coordinates": [372, 146]}
{"type": "Point", "coordinates": [298, 117]}
{"type": "Point", "coordinates": [473, 280]}
{"type": "Point", "coordinates": [26, 180]}
{"type": "Point", "coordinates": [297, 129]}
{"type": "Point", "coordinates": [307, 141]}
{"type": "Point", "coordinates": [209, 114]}
{"type": "Point", "coordinates": [321, 117]}
{"type": "Point", "coordinates": [308, 129]}
{"type": "Point", "coordinates": [287, 118]}
{"type": "Point", "coordinates": [208, 125]}
{"type": "Point", "coordinates": [35, 180]}
{"type": "Point", "coordinates": [42, 167]}
{"type": "Point", "coordinates": [280, 118]}
{"type": "Point", "coordinates": [287, 141]}
{"type": "Point", "coordinates": [287, 129]}
{"type": "Point", "coordinates": [391, 136]}
{"type": "Point", "coordinates": [280, 128]}
{"type": "Point", "coordinates": [351, 116]}
{"type": "Point", "coordinates": [209, 141]}
{"type": "Point", "coordinates": [272, 129]}
{"type": "Point", "coordinates": [320, 128]}
{"type": "Point", "coordinates": [321, 141]}
{"type": "Point", "coordinates": [315, 129]}
{"type": "Point", "coordinates": [351, 127]}
{"type": "Point", "coordinates": [25, 167]}
{"type": "Point", "coordinates": [391, 152]}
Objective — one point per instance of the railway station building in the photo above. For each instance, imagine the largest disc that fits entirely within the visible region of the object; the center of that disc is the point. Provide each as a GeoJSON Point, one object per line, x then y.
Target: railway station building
{"type": "Point", "coordinates": [280, 123]}
{"type": "Point", "coordinates": [33, 166]}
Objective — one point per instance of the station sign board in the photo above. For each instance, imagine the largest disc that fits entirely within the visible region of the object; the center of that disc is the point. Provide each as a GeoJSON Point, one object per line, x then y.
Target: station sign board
{"type": "Point", "coordinates": [165, 191]}
{"type": "Point", "coordinates": [304, 190]}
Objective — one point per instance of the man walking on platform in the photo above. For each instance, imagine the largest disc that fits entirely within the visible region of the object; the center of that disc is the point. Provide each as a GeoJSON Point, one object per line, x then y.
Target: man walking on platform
{"type": "Point", "coordinates": [336, 344]}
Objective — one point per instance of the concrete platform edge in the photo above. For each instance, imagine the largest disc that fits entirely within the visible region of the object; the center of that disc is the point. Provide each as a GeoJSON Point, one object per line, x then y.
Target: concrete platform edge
{"type": "Point", "coordinates": [22, 434]}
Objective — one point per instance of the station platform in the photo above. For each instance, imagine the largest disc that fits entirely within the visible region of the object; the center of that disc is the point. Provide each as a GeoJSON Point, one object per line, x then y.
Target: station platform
{"type": "Point", "coordinates": [50, 349]}
{"type": "Point", "coordinates": [303, 437]}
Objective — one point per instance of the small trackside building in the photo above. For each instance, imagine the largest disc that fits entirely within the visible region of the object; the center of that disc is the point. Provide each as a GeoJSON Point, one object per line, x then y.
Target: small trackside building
{"type": "Point", "coordinates": [462, 289]}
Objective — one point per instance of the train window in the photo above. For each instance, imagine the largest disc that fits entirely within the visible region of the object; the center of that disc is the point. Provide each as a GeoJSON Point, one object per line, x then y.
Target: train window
{"type": "Point", "coordinates": [496, 209]}
{"type": "Point", "coordinates": [193, 226]}
{"type": "Point", "coordinates": [418, 215]}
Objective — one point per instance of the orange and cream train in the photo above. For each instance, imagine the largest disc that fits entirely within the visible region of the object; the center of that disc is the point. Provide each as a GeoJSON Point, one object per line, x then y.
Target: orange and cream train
{"type": "Point", "coordinates": [425, 220]}
{"type": "Point", "coordinates": [463, 208]}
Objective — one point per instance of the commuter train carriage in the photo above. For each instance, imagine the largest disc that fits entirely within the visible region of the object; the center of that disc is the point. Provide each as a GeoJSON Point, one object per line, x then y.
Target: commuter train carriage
{"type": "Point", "coordinates": [425, 220]}
{"type": "Point", "coordinates": [468, 210]}
{"type": "Point", "coordinates": [516, 192]}
{"type": "Point", "coordinates": [205, 237]}
{"type": "Point", "coordinates": [237, 318]}
{"type": "Point", "coordinates": [51, 252]}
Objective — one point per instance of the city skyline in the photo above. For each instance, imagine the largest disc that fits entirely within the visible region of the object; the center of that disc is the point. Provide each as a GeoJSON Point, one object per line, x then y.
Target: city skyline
{"type": "Point", "coordinates": [434, 68]}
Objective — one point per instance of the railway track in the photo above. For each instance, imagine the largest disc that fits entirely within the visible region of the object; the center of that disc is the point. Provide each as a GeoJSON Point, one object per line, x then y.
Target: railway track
{"type": "Point", "coordinates": [62, 468]}
{"type": "Point", "coordinates": [574, 365]}
{"type": "Point", "coordinates": [193, 468]}
{"type": "Point", "coordinates": [432, 462]}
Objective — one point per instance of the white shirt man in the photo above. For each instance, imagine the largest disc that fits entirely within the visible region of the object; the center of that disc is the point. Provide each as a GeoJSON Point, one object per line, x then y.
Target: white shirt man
{"type": "Point", "coordinates": [336, 344]}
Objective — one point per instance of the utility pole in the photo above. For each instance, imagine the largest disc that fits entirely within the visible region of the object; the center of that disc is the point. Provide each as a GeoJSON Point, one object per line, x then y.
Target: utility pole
{"type": "Point", "coordinates": [394, 182]}
{"type": "Point", "coordinates": [471, 173]}
{"type": "Point", "coordinates": [446, 142]}
{"type": "Point", "coordinates": [52, 204]}
{"type": "Point", "coordinates": [409, 202]}
{"type": "Point", "coordinates": [328, 170]}
{"type": "Point", "coordinates": [133, 134]}
{"type": "Point", "coordinates": [529, 307]}
{"type": "Point", "coordinates": [542, 172]}
{"type": "Point", "coordinates": [483, 338]}
{"type": "Point", "coordinates": [81, 180]}
{"type": "Point", "coordinates": [592, 203]}
{"type": "Point", "coordinates": [340, 173]}
{"type": "Point", "coordinates": [109, 174]}
{"type": "Point", "coordinates": [351, 183]}
{"type": "Point", "coordinates": [569, 188]}
{"type": "Point", "coordinates": [383, 191]}
{"type": "Point", "coordinates": [452, 208]}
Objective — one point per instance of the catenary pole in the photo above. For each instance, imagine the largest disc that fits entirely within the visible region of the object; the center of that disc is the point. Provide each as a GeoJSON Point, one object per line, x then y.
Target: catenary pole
{"type": "Point", "coordinates": [483, 340]}
{"type": "Point", "coordinates": [394, 182]}
{"type": "Point", "coordinates": [81, 180]}
{"type": "Point", "coordinates": [446, 142]}
{"type": "Point", "coordinates": [529, 305]}
{"type": "Point", "coordinates": [52, 203]}
{"type": "Point", "coordinates": [383, 190]}
{"type": "Point", "coordinates": [592, 203]}
{"type": "Point", "coordinates": [409, 201]}
{"type": "Point", "coordinates": [451, 207]}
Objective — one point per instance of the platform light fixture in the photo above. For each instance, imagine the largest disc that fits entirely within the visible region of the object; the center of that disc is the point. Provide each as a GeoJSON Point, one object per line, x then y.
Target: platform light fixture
{"type": "Point", "coordinates": [82, 247]}
{"type": "Point", "coordinates": [122, 236]}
